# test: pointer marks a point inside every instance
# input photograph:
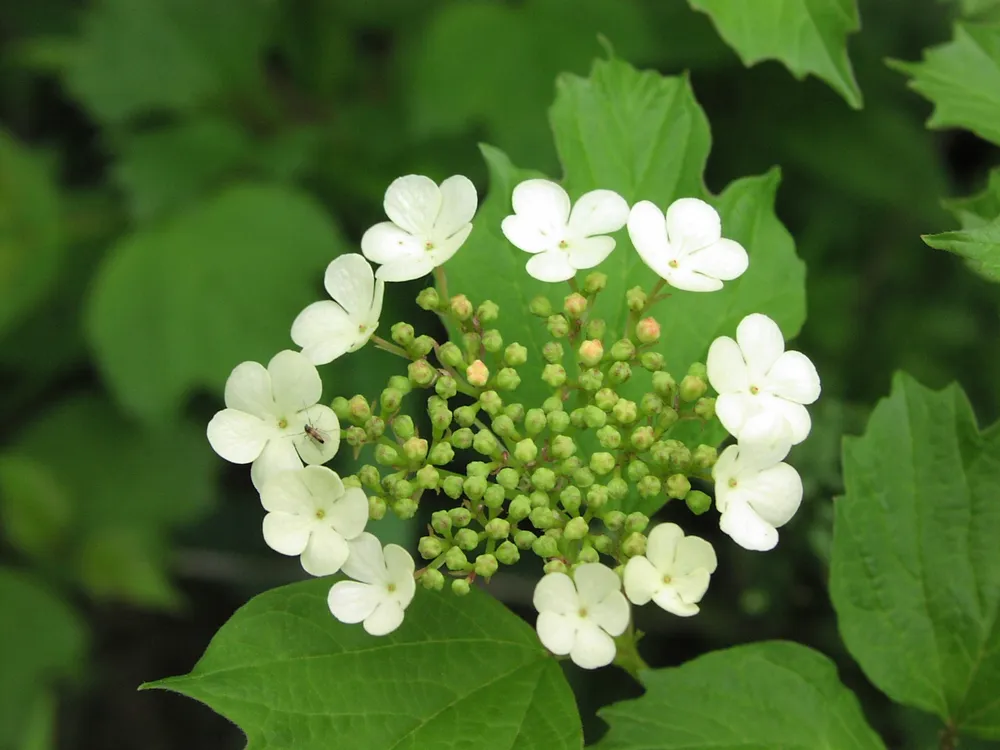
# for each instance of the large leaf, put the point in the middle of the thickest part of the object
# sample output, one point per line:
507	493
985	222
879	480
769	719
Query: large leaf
757	697
962	79
807	36
177	306
916	565
457	673
980	247
977	211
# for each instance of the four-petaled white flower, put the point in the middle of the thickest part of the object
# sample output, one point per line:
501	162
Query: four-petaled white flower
310	513
272	418
427	224
754	491
674	572
686	247
755	375
382	588
563	240
327	329
579	615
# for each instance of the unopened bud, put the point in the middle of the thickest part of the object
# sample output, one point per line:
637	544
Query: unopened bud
625	411
519	508
543	479
605	399
558	421
507	553
553	375
415	449
652	361
390	400
432	579
552	352
376	508
634	545
543	518
467	539
405	508
558	326
515	355
619	373
665	385
477	374
342	408
466	415
648	486
462	438
575	305
491	402
609	437
622	350
540	306
441	521
667	419
508	478
596	328
421	346
508	379
617	489
562	447
446	387
594	282
678	486
602	463
498	528
359	410
461	308
692	388
488	312
705	408
545	546
555	566
374	428
698	502
642	438
583	477
591	352
594	417
452	487
597	497
524	539
650	404
402	334
614	520
635	298
514	411
450	355
428	478
526	451
430	547
421	373
455	559
402	427
504	426
386	455
704	457
636	470
647	330
428	299
592	379
461	587
441	454
475	487
576	529
492	341
494	496
534	421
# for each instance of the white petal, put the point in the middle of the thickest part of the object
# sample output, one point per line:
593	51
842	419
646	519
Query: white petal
598	212
352	602
324	331
406	268
350	280
295	382
747	529
648	231
611	613
286	533
694	553
325	553
727	372
793	376
387	617
413	203
726	465
385	242
765	438
669	599
775	494
543	202
442	251
642	580
592	647
796	416
366	562
458	205
323	486
399	566
551	266
762	343
374	313
237	436
349	513
689	280
735	409
320	446
555	592
723	259
661	546
692	587
278	455
525	235
594	582
589	251
248	389
286	492
556	632
692	224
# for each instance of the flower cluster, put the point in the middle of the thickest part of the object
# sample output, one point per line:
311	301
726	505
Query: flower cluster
555	478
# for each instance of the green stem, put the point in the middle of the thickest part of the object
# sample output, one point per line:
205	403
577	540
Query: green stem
390	347
442	283
627	656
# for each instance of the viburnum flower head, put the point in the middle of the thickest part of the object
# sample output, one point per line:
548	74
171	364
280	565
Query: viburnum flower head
563	239
312	514
382	588
272	419
686	247
674	572
327	329
754	491
427	225
580	615
755	375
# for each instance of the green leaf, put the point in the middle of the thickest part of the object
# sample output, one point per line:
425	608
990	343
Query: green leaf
30	239
176	306
915	578
980	247
41	642
756	697
140	55
458	671
962	79
973	8
979	210
35	508
807	36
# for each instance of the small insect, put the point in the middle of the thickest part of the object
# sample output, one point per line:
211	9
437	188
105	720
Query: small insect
315	434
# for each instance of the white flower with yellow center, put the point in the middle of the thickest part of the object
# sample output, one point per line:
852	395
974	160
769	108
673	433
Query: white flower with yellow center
674	572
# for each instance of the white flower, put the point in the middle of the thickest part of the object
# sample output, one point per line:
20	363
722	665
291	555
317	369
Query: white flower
562	240
427	226
578	616
686	247
755	375
272	417
754	491
383	586
325	330
673	573
312	514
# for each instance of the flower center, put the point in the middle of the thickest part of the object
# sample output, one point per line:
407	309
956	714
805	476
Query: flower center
320	514
391	587
754	390
362	328
282	423
732	482
563	244
583	612
673	264
667	579
428	245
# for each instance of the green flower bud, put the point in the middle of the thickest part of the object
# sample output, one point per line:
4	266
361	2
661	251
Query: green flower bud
441	454
405	507
704	457
576	529
498	528
428	299
562	447
635	298
575	305
461	586
526	451
342	408
650	404
594	417
504	426
602	463
466	415
402	427
660	453
667	419
478	469
467	539
450	355
543	518
609	437
488	312
515	355
376	508
583	477
636	522
430	547
494	496
491	402
605	399
594	282
390	400
475	487
571	497
680	456
415	450
625	411
507	553
636	470
649	486
588	555
705	408
678	486
478	374
421	346
455	559
524	539
634	545
492	341
554	375
370	477
515	412
647	331
590	352
508	478
374	428
652	361
539	499
421	373
665	385
614	520
558	326
352	481
386	455
534	421
597	497
558	421
692	388
552	403
462	438
603	543
622	350
446	387
543	479
596	328
508	379
617	489
401	383
432	579
567	466
698	502
540	306
452	487
545	546
642	438
402	488
555	566
619	372
552	352
461	308
359	411
520	508
591	380
428	478
441	521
